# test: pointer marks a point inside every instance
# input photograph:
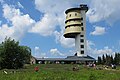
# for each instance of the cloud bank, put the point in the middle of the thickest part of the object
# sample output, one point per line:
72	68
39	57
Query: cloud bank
17	23
98	31
104	10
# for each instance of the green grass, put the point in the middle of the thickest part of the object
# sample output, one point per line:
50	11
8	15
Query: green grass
60	72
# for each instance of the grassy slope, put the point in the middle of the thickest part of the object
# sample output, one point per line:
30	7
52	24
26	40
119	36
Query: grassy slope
60	72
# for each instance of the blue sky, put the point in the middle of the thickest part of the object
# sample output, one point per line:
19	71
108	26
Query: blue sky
39	24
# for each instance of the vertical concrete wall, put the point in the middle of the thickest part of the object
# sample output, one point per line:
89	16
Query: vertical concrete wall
77	44
83	14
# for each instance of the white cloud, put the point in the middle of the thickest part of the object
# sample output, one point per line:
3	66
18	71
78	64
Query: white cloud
53	7
20	23
93	51
98	31
65	42
105	50
54	16
104	10
46	26
89	45
20	5
9	11
37	48
90	48
1	1
0	22
56	52
5	31
38	53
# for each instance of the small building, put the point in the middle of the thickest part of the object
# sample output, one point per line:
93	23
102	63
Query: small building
68	60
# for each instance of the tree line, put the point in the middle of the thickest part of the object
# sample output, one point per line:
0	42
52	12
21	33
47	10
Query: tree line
109	59
12	55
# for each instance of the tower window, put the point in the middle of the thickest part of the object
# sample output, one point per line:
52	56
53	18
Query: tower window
75	14
81	24
82	46
82	40
82	52
81	18
82	28
81	35
70	15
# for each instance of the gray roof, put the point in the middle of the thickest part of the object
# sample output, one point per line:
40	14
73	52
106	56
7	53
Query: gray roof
69	58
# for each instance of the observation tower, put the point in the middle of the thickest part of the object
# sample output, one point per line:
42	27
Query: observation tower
75	27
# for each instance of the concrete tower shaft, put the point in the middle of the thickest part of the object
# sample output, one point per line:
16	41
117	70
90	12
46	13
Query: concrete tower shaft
75	27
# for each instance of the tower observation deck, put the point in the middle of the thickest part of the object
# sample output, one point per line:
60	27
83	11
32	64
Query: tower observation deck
75	27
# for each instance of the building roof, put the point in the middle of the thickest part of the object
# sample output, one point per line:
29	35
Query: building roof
69	58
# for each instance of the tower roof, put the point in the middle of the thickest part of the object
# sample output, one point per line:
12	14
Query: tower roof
82	7
71	9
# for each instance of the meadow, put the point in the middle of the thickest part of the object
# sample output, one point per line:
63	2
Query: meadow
59	72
